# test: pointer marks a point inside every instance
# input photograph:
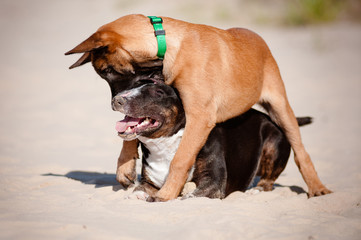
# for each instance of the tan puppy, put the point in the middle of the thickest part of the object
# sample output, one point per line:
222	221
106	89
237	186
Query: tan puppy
219	74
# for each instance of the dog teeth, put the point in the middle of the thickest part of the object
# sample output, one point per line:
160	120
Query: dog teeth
146	121
129	130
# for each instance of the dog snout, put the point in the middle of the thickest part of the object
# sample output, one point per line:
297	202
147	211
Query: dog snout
118	102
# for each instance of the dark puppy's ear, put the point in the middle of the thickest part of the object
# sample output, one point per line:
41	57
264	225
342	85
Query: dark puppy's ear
95	41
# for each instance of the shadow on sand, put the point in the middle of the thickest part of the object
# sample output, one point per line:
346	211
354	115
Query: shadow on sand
293	188
108	180
93	178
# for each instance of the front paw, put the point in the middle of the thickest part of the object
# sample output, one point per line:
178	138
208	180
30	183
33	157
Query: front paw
155	199
158	198
125	180
315	192
126	175
138	195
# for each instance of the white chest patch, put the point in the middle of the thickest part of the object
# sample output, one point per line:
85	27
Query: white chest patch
161	153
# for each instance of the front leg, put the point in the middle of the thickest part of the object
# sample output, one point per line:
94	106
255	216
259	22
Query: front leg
126	173
199	124
210	173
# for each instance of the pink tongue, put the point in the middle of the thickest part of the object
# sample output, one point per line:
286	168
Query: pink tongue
122	125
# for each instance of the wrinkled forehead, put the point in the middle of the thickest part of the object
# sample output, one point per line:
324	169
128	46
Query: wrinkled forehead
148	89
134	92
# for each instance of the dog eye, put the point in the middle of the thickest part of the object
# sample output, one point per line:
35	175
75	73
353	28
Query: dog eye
145	81
107	70
110	74
159	93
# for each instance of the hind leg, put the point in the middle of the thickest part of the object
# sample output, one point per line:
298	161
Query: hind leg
275	101
265	172
265	168
274	158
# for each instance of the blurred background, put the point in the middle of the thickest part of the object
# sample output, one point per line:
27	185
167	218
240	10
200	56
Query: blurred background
57	120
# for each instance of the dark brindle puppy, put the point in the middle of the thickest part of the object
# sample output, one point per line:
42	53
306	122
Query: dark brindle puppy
235	152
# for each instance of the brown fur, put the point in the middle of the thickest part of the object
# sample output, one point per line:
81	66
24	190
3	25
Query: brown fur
169	123
268	172
218	73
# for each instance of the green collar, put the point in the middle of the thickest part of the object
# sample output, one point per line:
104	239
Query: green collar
160	35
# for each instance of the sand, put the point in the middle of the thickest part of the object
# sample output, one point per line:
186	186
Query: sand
58	145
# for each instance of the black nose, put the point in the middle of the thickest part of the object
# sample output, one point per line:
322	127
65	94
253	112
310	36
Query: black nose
118	102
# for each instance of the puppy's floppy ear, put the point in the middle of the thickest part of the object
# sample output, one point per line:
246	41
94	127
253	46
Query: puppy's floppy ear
84	59
95	41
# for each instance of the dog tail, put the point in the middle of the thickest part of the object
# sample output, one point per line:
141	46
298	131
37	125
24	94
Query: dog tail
304	120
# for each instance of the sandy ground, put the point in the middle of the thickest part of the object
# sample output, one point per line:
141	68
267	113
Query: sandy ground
58	146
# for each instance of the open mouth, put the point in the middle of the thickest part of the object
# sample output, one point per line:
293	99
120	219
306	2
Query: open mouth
129	127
